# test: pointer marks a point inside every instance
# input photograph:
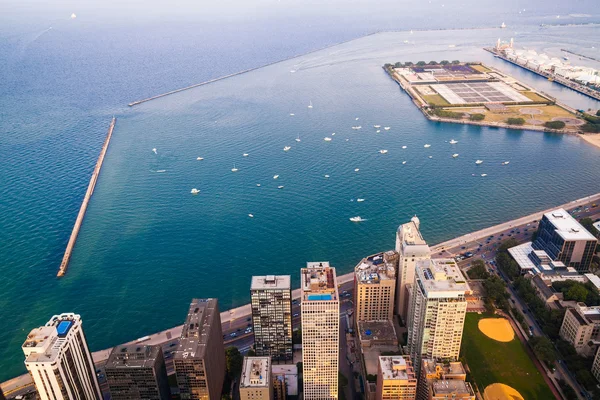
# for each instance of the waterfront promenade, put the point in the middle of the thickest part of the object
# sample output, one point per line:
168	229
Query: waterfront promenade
243	312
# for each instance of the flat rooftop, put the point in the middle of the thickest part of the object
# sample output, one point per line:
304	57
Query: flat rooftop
597	225
521	255
376	268
397	368
452	386
195	333
454	369
44	344
441	277
256	372
410	240
133	356
377	331
318	282
271	282
567	226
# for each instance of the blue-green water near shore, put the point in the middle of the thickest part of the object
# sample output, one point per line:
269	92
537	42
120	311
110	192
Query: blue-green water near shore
148	246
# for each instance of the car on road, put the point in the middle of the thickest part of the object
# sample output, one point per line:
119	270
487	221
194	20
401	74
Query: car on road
468	254
249	319
296	314
233	334
248	330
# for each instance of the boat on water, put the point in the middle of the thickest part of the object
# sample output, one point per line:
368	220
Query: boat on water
258	184
430	156
275	176
234	169
194	191
376	126
403	162
377	131
199	158
326	176
453	141
427	146
292	114
455	155
327	139
356	119
356	127
251	215
360	200
404	147
356	169
280	187
310	105
503	25
161	170
479	162
452	46
383	151
333	134
356	219
387	128
483	174
287	148
245	154
506	163
298	138
154	150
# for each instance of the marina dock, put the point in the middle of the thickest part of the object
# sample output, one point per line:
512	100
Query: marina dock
88	194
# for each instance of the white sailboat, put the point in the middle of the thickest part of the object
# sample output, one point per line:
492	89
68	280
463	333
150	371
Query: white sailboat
298	138
234	169
154	150
310	105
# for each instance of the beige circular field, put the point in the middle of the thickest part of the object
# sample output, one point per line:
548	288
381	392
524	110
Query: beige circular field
500	391
496	328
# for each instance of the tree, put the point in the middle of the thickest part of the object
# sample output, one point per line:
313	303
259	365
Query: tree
433	63
598	113
507	244
251	353
567	390
577	292
408	64
478	270
233	362
588	224
421	63
477	117
515	121
543	349
554	124
444	62
343	381
398	65
455	62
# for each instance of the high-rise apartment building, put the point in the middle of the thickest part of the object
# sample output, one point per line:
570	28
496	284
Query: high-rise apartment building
437	312
581	328
255	382
444	381
411	248
565	240
375	286
271	302
396	379
200	357
59	360
320	307
596	365
137	372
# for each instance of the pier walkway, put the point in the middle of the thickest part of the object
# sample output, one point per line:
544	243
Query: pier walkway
86	199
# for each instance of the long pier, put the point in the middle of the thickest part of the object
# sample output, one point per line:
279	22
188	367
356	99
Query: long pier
594	94
88	194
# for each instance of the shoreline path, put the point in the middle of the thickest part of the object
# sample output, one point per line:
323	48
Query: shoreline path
245	311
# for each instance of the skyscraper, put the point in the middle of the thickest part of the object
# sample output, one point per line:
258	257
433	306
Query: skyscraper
271	301
320	307
437	311
59	361
255	381
375	286
396	379
200	357
411	248
137	372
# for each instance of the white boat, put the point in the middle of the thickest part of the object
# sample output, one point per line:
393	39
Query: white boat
251	215
310	105
377	131
383	151
376	126
479	162
292	71
275	176
404	147
356	169
403	162
287	148
360	200
454	155
453	141
483	174
326	176
356	127
298	138
245	154
234	169
292	114
154	150
503	25
430	156
356	119
194	191
258	184
333	134
387	128
199	158
427	146
452	46
280	187
356	219
327	139
161	170
505	162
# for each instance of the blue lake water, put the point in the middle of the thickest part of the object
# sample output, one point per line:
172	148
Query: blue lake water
148	246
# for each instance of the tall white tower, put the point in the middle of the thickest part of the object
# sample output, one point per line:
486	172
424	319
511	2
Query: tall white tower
411	248
59	361
320	307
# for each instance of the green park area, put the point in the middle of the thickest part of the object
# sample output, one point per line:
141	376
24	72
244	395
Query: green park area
491	361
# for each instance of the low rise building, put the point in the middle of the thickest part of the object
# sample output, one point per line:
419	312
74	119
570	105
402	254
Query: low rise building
581	328
396	379
288	374
255	381
377	333
375	287
443	381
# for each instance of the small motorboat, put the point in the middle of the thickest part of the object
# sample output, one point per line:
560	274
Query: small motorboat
483	174
280	187
453	141
195	191
326	176
275	176
404	147
403	162
478	162
356	127
356	169
376	126
377	131
360	200
199	158
287	148
251	215
455	155
387	128
383	151
245	154
327	139
427	146
154	150
356	219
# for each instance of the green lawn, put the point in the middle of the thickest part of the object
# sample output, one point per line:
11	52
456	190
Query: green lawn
491	361
435	100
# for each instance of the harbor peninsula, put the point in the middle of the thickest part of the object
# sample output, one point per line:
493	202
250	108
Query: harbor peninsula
477	94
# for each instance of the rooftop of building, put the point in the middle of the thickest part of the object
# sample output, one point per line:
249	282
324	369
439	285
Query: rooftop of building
133	356
256	372
271	282
378	332
451	386
597	225
376	268
318	282
195	333
397	368
520	254
594	279
541	285
43	344
448	370
410	238
441	275
567	226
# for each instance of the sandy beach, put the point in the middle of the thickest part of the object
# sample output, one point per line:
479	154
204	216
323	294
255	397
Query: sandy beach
592	138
